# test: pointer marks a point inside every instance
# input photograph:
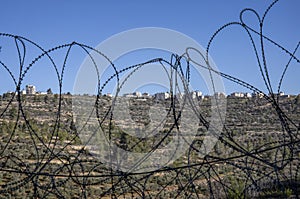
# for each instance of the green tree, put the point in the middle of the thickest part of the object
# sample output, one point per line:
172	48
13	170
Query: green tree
13	113
49	91
46	99
123	141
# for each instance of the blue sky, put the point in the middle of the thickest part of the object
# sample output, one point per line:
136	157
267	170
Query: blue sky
52	23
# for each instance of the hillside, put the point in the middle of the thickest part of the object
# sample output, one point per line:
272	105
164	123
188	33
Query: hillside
43	152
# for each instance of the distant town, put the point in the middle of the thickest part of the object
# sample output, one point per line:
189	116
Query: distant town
31	90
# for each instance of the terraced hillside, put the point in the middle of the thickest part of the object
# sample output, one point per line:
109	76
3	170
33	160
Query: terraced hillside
44	151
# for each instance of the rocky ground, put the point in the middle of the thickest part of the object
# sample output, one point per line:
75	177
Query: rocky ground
43	150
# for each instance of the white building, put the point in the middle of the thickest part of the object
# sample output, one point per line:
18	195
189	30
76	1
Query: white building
193	95
41	93
23	92
30	90
257	95
137	94
281	95
219	95
248	95
285	96
237	94
240	95
196	94
162	96
128	95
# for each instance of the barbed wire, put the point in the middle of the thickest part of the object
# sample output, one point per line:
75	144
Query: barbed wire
257	153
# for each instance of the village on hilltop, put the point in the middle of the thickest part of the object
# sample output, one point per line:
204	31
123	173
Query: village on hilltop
31	90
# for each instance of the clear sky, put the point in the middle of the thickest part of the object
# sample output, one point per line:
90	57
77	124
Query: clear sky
56	22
